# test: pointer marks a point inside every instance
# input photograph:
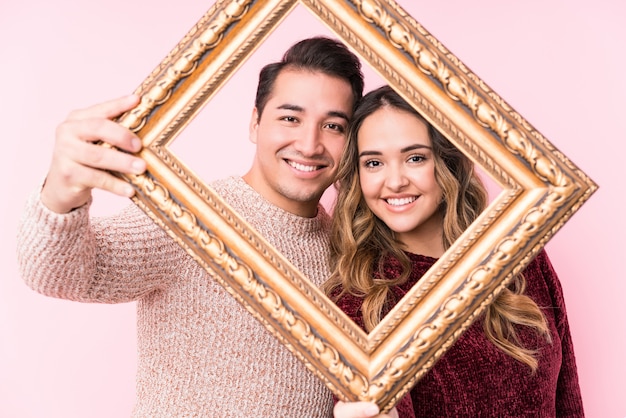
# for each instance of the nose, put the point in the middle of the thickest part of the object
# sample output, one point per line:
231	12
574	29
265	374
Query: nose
396	178
309	141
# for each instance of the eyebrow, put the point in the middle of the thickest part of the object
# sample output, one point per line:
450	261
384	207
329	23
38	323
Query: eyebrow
296	108
403	150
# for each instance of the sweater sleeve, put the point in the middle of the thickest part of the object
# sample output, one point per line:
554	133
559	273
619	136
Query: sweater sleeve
108	260
568	396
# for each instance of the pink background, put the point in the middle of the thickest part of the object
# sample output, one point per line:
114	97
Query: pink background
559	63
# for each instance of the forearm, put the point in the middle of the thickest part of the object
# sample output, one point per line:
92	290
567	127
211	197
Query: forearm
53	257
107	260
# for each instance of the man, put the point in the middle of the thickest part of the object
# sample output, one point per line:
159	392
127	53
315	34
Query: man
200	352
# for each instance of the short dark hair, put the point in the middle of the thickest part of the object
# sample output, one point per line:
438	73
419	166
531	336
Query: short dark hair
319	53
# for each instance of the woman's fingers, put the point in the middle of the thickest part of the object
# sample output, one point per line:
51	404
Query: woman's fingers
360	410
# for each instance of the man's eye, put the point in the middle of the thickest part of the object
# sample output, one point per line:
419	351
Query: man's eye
336	127
289	119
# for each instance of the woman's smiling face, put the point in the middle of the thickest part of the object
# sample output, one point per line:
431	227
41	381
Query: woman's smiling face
397	175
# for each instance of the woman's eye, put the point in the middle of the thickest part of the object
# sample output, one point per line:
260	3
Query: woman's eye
416	158
372	163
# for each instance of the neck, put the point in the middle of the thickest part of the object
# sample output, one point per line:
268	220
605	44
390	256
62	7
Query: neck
304	208
426	240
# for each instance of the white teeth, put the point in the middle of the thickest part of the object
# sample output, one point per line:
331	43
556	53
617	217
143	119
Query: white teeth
302	167
402	201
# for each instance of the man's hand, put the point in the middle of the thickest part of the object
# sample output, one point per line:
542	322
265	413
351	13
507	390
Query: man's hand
79	164
361	410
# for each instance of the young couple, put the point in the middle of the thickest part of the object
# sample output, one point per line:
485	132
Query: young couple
404	192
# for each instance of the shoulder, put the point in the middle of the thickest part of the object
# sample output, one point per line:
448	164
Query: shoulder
540	272
544	287
230	188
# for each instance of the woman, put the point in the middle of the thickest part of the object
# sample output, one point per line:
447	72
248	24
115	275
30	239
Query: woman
405	195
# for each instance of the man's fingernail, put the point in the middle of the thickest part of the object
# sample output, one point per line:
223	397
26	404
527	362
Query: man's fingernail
129	190
139	166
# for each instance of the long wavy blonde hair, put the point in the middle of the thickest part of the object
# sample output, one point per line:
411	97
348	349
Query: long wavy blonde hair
360	242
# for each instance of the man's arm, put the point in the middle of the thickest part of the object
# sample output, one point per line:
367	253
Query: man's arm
64	253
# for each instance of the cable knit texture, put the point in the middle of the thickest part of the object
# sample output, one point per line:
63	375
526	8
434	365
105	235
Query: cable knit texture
201	354
475	379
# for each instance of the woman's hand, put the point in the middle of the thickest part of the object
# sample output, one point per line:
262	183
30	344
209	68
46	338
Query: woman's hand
361	410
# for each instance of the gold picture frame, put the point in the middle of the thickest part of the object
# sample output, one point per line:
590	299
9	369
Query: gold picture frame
541	189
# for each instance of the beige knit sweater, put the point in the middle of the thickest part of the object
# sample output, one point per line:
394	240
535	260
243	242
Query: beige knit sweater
201	353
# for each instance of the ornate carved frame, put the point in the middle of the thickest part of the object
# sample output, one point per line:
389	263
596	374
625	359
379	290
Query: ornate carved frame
541	189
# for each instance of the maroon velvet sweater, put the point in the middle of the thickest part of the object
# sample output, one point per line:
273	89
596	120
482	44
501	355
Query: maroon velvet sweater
475	379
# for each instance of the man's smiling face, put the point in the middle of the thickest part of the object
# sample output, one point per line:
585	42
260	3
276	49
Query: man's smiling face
300	138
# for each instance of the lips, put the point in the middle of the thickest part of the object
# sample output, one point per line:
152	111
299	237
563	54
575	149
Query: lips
303	167
400	201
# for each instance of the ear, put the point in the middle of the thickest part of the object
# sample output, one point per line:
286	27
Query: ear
254	126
